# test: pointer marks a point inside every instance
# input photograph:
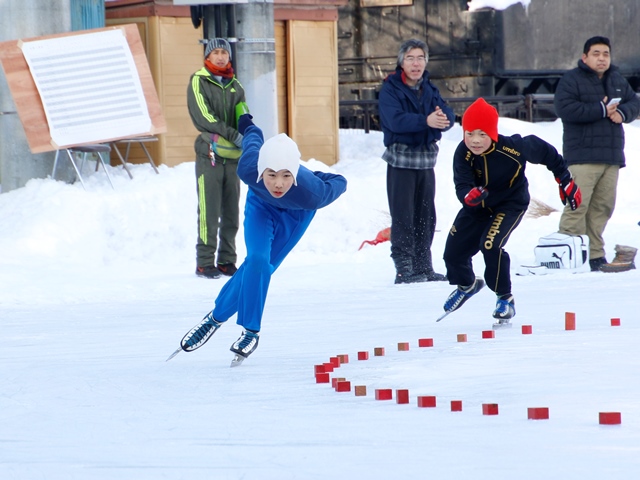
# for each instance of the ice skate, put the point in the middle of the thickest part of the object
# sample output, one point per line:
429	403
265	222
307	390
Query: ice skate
505	311
198	335
459	296
244	346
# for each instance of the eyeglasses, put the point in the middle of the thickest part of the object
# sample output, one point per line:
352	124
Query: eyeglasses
412	59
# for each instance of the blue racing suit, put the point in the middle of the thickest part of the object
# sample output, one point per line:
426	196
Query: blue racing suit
272	227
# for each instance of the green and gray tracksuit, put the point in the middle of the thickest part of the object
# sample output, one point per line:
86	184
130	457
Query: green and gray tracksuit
214	104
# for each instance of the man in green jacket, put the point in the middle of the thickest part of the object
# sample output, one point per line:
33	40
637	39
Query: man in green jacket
216	99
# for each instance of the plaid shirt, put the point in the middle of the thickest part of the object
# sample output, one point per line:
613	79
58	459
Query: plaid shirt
399	155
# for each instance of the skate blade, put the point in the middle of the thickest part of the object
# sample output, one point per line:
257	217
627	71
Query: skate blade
237	361
442	316
174	354
497	325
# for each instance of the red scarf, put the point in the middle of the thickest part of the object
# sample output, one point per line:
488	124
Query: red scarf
226	72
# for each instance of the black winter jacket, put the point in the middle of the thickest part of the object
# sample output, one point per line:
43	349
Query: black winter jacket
589	136
404	116
501	170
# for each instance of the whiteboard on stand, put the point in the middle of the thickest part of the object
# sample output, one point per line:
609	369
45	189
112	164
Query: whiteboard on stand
79	88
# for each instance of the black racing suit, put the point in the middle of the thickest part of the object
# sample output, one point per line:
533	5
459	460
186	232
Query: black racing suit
487	227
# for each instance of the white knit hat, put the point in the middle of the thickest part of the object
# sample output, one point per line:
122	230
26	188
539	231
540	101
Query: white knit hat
279	153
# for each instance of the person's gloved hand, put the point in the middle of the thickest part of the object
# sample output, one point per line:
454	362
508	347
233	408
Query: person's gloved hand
244	122
476	196
569	191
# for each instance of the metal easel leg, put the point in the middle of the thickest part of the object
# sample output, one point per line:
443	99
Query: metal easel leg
105	169
149	157
122	160
75	167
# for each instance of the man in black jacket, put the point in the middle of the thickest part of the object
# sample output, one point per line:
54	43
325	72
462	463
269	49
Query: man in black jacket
413	117
593	100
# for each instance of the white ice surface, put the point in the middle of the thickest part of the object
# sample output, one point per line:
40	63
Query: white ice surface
98	289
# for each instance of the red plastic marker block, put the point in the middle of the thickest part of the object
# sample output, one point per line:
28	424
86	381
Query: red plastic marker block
610	418
335	380
490	409
462	337
403	346
344	386
384	394
488	334
378	351
427	401
541	413
328	367
615	322
456	405
527	329
318	369
335	361
344	358
322	378
363	355
569	321
425	342
361	390
402	396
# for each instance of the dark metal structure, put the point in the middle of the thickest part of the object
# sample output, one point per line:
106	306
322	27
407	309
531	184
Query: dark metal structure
515	52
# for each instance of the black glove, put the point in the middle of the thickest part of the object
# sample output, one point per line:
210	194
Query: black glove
569	191
244	122
476	196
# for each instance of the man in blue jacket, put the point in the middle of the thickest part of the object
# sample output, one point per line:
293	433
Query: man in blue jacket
282	200
413	117
593	101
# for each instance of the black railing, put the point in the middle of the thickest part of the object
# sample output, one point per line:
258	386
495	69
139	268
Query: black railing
363	114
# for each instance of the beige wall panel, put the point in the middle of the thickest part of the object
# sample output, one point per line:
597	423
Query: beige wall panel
183	141
182	153
181	55
323	95
314	81
281	75
319	115
175	100
183	132
313	94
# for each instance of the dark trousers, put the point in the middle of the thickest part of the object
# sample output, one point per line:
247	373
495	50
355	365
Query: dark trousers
486	232
411	196
218	211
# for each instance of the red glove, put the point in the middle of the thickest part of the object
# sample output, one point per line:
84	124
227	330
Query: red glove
476	196
569	192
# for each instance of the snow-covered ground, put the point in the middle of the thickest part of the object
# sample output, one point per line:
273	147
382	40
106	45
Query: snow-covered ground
98	289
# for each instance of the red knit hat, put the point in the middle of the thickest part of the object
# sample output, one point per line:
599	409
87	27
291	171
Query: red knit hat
481	115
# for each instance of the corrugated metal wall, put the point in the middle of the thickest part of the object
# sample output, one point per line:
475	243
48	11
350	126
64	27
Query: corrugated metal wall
86	14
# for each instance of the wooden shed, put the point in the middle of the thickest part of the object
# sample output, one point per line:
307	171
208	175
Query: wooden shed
306	64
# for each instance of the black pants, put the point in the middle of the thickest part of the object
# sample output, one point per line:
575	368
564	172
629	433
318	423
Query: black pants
411	196
481	231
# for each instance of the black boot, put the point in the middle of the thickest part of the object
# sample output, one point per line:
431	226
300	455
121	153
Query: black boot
404	271
424	268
